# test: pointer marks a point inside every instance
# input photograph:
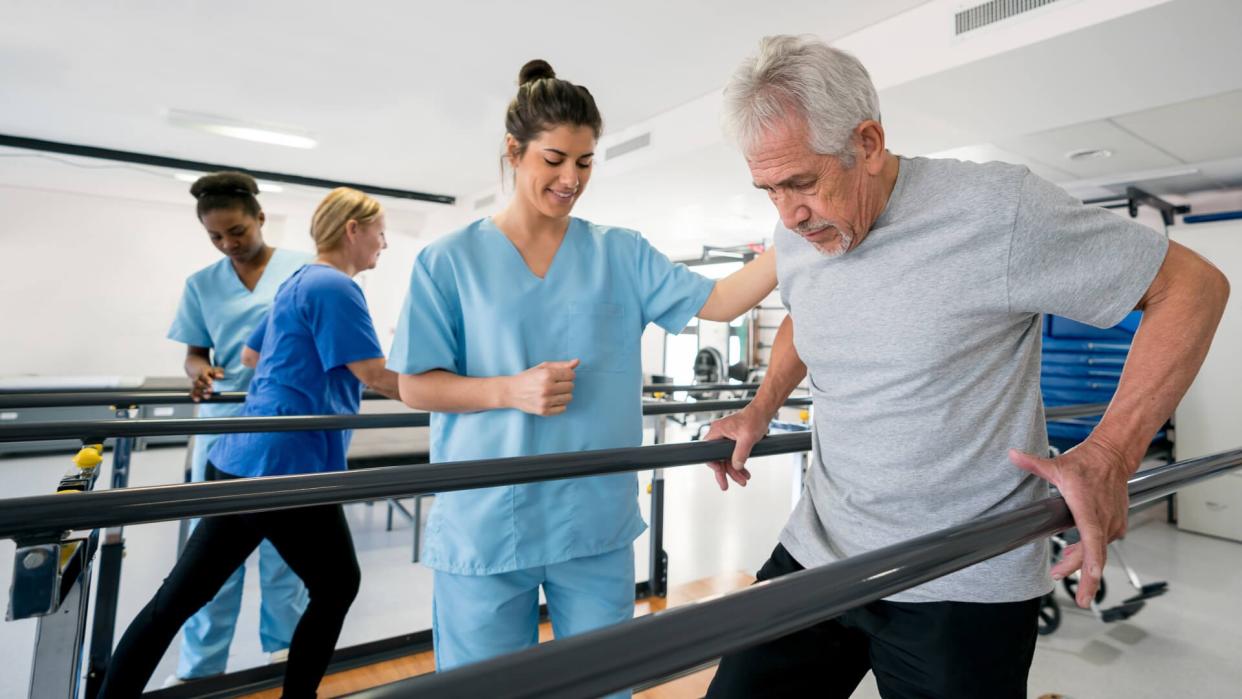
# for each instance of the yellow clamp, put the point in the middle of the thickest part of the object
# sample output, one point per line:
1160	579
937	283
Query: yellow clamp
804	415
89	456
658	395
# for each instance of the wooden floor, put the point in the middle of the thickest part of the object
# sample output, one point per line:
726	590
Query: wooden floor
691	686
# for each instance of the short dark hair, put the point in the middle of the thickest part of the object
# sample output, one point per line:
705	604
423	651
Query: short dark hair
545	101
226	190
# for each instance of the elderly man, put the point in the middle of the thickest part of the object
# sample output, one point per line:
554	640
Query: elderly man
915	289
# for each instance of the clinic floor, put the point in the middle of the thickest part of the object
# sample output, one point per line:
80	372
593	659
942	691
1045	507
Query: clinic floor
1185	644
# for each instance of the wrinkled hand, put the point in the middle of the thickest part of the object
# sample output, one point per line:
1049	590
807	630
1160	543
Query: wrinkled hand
202	387
744	427
1092	478
544	389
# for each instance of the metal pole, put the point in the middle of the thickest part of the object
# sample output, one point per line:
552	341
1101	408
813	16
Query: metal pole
107	593
657	569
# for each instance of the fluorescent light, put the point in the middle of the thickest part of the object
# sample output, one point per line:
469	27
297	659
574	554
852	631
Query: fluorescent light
250	133
1089	154
264	186
273	134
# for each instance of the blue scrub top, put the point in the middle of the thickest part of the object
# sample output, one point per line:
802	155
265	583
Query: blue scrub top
318	324
476	309
218	312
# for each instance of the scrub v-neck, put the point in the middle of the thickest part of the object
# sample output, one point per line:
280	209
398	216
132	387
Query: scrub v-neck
258	281
518	253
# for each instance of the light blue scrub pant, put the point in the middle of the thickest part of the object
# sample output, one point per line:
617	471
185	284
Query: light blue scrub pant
205	638
476	617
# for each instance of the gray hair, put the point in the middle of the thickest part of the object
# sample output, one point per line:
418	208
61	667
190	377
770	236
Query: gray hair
827	87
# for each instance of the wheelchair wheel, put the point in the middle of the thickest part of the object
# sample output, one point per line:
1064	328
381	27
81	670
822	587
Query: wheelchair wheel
1049	614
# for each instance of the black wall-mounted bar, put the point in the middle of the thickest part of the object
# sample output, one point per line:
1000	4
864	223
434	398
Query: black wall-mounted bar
124	156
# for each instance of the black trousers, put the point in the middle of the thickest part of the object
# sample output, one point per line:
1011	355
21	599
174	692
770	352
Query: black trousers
314	541
926	650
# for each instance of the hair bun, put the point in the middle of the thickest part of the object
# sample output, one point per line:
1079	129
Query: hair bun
535	70
224	183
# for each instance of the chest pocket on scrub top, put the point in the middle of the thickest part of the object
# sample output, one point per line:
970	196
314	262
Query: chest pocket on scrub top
598	337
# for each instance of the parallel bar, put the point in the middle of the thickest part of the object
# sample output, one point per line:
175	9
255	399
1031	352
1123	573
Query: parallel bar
72	399
1062	412
698	387
48	515
625	655
124	156
708	406
98	430
125	399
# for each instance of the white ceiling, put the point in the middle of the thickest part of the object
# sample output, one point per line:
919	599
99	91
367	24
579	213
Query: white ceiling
403	94
410	96
1160	88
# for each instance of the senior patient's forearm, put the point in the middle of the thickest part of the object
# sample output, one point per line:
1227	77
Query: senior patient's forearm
785	372
1165	357
445	392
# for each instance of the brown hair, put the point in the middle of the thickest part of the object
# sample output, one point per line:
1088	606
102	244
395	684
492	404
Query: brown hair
226	190
544	101
341	206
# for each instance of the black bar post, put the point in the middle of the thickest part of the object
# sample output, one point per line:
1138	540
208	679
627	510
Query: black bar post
108	590
657	569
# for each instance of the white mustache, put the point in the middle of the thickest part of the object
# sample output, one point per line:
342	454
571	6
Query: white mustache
813	226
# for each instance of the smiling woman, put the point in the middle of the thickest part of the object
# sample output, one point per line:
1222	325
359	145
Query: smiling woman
526	327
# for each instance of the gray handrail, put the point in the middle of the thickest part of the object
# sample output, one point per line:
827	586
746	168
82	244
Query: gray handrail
18	400
98	430
46	516
654	646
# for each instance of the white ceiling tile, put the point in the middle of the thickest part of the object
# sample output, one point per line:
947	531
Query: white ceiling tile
987	152
1195	130
1128	152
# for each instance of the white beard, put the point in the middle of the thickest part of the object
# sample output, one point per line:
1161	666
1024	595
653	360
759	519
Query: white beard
841	246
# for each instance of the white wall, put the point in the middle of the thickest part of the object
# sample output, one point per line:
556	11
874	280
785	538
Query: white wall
89	282
1209	418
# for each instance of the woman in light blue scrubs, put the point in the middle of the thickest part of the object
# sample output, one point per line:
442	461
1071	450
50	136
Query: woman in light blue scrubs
221	305
522	334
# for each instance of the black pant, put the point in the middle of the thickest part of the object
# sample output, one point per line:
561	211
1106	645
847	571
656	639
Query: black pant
916	650
314	541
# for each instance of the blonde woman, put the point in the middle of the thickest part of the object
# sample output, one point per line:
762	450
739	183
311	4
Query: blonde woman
317	348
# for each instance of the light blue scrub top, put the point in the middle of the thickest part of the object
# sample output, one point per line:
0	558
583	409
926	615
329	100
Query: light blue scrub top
217	311
476	309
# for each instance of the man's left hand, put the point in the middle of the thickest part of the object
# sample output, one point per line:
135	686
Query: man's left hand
1092	477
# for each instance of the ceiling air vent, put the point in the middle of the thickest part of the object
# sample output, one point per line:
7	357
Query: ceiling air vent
629	146
485	201
983	14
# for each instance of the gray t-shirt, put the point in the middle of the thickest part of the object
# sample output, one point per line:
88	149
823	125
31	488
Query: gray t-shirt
923	350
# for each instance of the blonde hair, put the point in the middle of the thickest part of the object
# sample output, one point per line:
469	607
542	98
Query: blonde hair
341	206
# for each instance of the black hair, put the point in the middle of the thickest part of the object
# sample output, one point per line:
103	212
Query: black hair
226	190
545	101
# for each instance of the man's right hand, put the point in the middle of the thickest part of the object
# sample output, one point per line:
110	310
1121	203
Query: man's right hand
746	427
544	389
203	381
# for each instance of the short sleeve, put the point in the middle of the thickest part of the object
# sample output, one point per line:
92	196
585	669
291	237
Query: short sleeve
670	294
255	341
189	326
428	330
1082	262
340	323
